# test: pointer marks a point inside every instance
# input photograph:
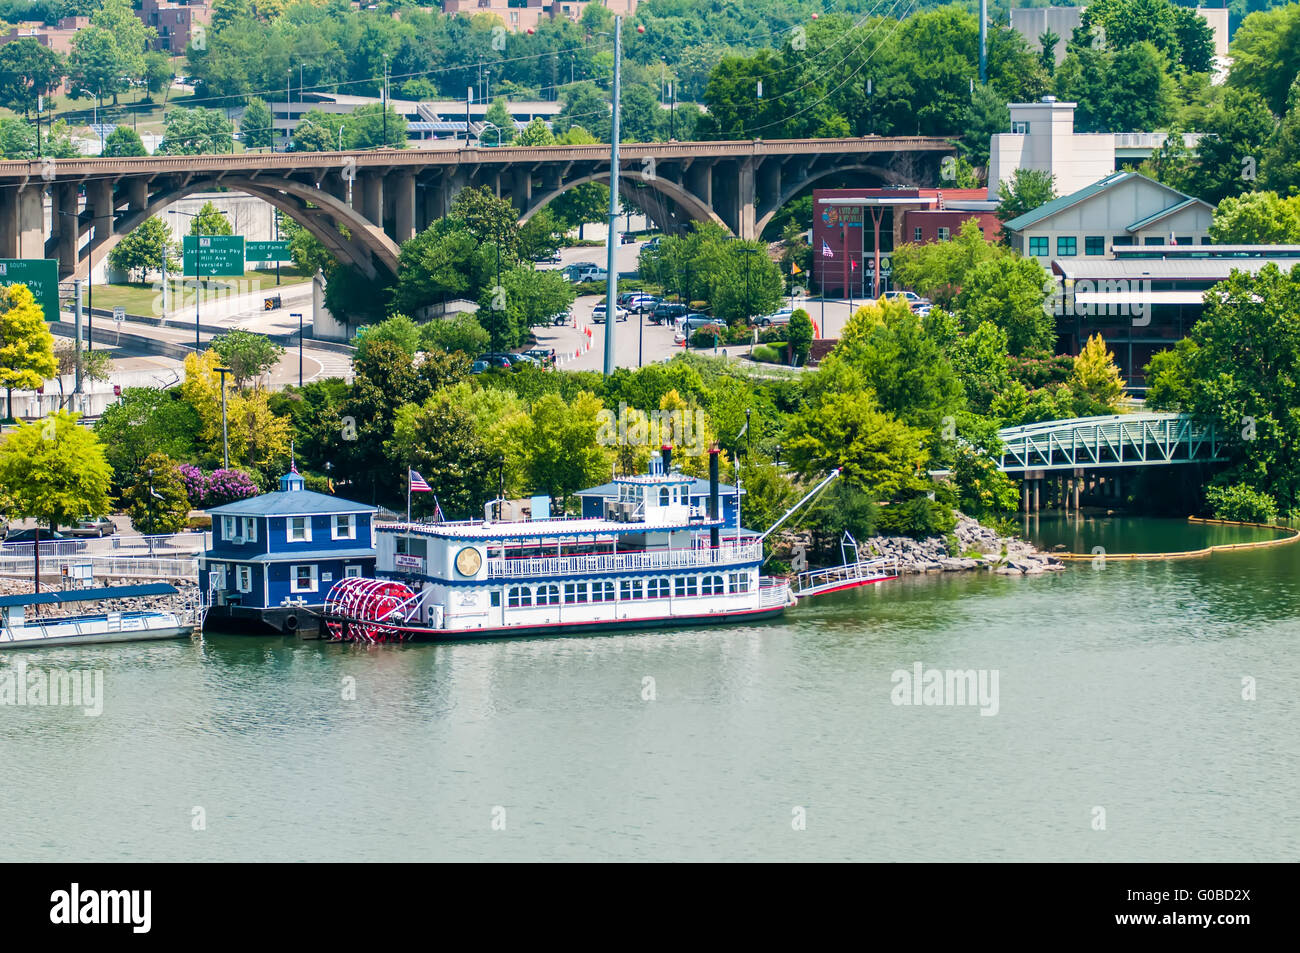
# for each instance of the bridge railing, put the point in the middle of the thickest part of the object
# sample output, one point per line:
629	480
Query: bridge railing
1141	439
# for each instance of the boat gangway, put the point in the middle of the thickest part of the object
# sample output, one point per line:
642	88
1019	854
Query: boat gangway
816	582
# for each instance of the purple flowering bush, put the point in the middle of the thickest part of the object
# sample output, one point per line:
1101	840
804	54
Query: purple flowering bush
217	488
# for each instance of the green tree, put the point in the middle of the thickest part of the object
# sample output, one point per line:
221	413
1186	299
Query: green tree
196	131
210	221
535	133
143	421
1010	293
489	218
540	236
525	297
372	126
460	333
247	354
1281	164
144	249
1026	190
26	344
438	438
799	336
28	71
559	448
1095	380
1229	152
1257	218
1048	43
1265	54
54	471
95	63
398	329
158	73
498	114
17	139
255	126
433	266
123	142
157	502
131	40
939	269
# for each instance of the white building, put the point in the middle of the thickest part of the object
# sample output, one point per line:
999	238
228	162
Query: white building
1042	137
1122	209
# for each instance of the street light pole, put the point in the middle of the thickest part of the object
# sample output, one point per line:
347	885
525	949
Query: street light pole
298	315
611	240
225	441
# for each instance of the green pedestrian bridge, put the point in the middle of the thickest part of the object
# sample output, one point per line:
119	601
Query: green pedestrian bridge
1150	438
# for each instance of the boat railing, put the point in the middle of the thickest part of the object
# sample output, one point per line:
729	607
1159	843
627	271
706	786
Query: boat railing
863	570
525	567
774	592
117	567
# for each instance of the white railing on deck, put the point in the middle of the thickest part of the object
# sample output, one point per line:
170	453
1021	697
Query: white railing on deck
540	566
776	593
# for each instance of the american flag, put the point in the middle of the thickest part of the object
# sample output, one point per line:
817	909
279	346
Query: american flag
826	250
417	482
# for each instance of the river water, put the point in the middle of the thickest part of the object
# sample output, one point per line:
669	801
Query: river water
1120	731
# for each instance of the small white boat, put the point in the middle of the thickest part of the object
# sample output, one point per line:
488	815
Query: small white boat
22	627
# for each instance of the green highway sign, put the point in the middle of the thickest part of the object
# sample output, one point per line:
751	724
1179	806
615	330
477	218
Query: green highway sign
207	256
267	251
40	275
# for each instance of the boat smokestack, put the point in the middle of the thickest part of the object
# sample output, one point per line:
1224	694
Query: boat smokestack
666	453
713	494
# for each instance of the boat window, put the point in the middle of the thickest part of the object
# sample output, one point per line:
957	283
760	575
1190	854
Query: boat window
495	598
664	496
575	592
602	592
656	588
686	586
518	596
548	595
712	586
739	582
631	589
303	578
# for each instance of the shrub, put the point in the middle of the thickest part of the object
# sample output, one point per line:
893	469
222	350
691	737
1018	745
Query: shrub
196	484
710	335
738	334
226	486
919	517
769	354
1241	504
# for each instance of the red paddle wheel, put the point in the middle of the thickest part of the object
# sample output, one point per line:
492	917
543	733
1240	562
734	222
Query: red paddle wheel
367	610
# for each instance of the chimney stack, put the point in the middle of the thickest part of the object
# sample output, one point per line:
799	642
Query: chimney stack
713	494
667	453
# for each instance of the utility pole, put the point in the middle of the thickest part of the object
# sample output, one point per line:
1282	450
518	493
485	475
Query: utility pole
611	240
984	51
299	317
76	335
385	99
225	440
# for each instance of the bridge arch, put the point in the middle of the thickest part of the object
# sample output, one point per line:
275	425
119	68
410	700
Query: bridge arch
694	207
787	194
316	210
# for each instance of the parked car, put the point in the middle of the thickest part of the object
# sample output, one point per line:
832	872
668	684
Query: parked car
552	259
667	313
688	325
626	297
585	271
627	239
93	526
911	297
561	318
519	360
478	367
497	359
29	535
545	355
641	303
654	243
775	318
598	314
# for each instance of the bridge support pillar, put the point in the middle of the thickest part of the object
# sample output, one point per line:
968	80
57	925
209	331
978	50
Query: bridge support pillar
99	198
137	194
745	200
403	187
372	198
65	225
1037	486
699	181
1024	492
22	221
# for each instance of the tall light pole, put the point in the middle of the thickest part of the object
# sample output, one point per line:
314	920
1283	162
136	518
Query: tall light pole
299	317
225	440
611	240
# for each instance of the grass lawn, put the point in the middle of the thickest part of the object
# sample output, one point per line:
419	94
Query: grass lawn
140	298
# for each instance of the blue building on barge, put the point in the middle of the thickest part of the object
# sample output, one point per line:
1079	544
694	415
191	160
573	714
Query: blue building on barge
275	556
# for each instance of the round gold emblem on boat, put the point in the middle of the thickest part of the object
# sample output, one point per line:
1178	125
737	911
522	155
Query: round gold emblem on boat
468	561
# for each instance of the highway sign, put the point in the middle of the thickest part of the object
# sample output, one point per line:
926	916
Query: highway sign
211	255
40	275
267	251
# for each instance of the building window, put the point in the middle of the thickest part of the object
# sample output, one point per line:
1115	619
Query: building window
302	578
943	233
548	595
712	586
686	586
1020	128
917	234
1121	241
1094	245
656	588
630	589
1067	246
738	581
575	592
1184	240
351	572
244	576
602	592
228	530
217	576
250	529
1038	246
518	596
345	527
299	529
1153	241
